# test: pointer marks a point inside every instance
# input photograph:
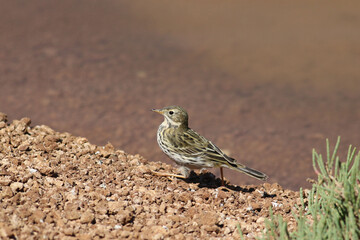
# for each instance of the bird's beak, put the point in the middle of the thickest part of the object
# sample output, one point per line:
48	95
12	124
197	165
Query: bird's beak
158	111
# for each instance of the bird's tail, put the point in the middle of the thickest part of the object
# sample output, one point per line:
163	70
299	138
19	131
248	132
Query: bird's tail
252	172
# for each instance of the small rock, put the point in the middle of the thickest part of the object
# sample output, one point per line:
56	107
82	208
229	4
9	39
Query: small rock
114	207
37	216
125	217
227	231
267	204
5	231
162	208
26	121
223	194
158	232
69	231
276	205
102	207
16	186
206	218
24	146
125	234
6	192
260	220
3	117
5	181
72	211
212	228
83	236
250	208
87	217
256	206
100	232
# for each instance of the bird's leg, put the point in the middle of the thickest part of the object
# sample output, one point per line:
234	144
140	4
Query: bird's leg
222	176
223	186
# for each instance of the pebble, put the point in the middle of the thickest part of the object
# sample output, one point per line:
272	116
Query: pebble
16	186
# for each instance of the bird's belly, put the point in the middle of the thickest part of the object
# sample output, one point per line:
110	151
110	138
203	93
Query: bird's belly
193	162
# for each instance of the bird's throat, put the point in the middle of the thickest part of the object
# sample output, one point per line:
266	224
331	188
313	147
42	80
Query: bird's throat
168	123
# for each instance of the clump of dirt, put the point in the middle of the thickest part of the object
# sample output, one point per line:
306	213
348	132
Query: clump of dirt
58	186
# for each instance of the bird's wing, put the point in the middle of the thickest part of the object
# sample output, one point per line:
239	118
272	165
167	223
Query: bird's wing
194	143
190	142
215	154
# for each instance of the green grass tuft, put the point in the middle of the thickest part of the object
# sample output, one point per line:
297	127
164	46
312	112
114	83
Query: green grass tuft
331	209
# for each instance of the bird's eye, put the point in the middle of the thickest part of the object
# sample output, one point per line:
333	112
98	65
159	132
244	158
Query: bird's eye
171	112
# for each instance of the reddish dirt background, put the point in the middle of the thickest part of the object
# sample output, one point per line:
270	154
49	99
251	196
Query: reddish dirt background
265	81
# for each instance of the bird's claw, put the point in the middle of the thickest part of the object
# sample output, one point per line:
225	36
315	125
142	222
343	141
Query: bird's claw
170	176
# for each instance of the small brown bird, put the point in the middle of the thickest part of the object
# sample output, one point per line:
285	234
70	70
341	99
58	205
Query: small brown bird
190	150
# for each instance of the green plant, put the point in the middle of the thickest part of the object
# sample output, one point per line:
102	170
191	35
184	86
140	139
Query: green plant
331	209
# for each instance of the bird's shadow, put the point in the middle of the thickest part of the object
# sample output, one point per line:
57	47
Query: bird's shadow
209	180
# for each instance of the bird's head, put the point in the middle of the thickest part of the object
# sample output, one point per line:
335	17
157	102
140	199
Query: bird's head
174	116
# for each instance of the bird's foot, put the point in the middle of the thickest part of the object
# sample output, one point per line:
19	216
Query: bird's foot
170	176
224	188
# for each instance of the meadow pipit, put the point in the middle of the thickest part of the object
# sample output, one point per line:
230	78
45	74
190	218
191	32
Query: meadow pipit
190	150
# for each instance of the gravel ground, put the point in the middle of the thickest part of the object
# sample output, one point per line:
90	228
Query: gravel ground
59	186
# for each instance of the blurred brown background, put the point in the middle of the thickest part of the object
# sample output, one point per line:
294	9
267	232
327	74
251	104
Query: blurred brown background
267	81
